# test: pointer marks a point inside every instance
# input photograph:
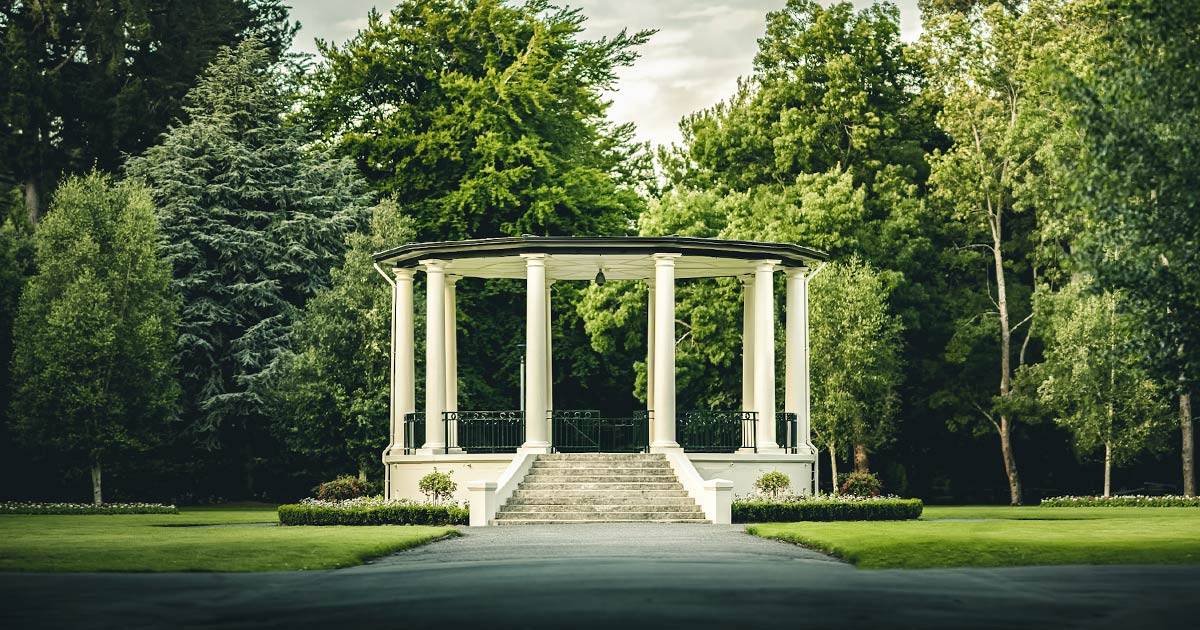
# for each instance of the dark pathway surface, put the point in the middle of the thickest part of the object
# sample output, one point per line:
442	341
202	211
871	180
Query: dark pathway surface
611	576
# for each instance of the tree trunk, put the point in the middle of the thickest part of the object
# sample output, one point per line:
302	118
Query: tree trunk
861	463
1108	469
1005	426
97	494
1010	462
1189	444
833	466
32	201
362	473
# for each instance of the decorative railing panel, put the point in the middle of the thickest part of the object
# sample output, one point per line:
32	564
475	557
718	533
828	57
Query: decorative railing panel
785	431
484	431
414	431
585	430
716	431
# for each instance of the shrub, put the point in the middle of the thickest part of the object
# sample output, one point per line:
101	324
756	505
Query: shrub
341	488
372	511
861	484
1125	501
825	508
87	508
438	487
773	484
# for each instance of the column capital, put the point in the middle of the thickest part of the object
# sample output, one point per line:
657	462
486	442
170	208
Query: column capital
534	260
451	279
793	272
403	273
665	259
434	265
747	279
766	265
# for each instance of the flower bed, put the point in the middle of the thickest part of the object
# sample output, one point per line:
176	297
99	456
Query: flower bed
372	511
824	508
1123	501
86	508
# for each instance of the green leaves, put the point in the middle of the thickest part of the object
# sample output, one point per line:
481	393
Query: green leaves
95	334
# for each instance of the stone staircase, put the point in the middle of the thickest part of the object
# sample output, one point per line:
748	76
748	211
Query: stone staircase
600	487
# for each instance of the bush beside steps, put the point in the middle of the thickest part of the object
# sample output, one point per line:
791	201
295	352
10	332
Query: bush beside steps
372	511
825	508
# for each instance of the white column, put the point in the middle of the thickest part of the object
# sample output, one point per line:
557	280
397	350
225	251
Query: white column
650	354
549	349
764	354
795	369
535	354
664	353
748	357
404	399
451	344
435	355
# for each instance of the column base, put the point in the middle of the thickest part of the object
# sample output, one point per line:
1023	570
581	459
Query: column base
535	448
665	447
771	450
431	449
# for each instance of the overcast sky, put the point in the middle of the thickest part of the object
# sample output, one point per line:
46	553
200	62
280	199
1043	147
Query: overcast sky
694	61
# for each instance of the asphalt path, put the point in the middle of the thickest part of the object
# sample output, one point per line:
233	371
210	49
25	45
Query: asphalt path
610	576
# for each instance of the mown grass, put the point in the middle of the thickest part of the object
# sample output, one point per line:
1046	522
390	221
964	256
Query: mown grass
221	538
1005	536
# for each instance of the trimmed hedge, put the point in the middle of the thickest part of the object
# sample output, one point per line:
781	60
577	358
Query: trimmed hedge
87	508
1127	501
380	514
825	509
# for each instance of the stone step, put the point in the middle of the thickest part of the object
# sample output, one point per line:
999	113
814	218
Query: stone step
600	516
557	478
599	465
603	457
600	508
603	499
611	496
601	485
551	521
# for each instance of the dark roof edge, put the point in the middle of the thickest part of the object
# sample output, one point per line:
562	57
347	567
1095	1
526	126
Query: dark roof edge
409	254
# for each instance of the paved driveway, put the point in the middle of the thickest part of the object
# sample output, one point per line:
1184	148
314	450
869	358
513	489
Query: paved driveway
611	576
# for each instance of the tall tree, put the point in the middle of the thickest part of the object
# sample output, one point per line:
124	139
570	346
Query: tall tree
483	118
332	394
856	360
1133	95
486	118
87	83
988	184
256	216
1093	381
95	334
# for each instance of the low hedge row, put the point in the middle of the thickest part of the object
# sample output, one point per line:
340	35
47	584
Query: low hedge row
86	508
1126	501
385	514
881	509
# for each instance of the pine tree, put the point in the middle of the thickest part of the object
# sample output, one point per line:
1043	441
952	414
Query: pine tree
256	216
96	327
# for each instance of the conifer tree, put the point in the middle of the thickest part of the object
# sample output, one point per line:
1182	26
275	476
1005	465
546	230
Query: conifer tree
256	216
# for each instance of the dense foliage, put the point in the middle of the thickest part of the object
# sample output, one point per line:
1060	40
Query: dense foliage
94	362
88	83
372	512
341	488
255	219
825	508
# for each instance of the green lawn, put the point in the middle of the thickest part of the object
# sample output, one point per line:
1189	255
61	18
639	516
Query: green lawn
197	539
1006	536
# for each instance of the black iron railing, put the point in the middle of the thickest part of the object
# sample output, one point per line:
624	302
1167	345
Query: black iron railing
785	431
716	431
414	431
585	430
484	431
